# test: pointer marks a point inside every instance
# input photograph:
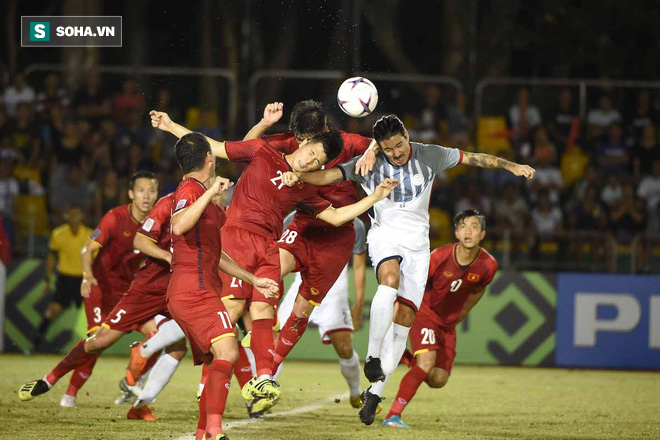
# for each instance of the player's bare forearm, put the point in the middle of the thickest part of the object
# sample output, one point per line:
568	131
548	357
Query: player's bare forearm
217	147
359	277
257	131
321	178
149	248
471	301
230	267
51	261
485	160
184	220
339	216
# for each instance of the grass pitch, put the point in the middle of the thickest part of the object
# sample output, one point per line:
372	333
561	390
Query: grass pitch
478	403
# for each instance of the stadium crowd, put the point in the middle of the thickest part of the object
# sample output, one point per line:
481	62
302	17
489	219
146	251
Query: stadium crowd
597	181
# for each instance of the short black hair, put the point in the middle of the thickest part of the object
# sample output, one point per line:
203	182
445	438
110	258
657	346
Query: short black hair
461	216
191	151
388	126
140	175
307	117
332	143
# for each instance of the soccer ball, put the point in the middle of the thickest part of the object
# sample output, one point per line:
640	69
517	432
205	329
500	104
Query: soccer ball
357	97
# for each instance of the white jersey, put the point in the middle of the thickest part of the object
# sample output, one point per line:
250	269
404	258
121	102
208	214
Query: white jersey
403	217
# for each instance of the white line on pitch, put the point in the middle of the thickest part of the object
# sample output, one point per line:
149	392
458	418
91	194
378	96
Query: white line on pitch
294	411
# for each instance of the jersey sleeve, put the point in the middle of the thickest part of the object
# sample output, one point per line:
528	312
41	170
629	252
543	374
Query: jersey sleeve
55	242
434	263
357	144
440	158
106	229
184	197
243	151
314	203
151	227
348	170
360	245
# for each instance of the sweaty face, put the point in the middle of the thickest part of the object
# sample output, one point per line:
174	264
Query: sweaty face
144	193
397	149
469	232
309	157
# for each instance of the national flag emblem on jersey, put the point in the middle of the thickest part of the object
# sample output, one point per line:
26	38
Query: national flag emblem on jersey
473	277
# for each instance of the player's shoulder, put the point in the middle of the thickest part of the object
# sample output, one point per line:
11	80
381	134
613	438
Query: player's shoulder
443	252
118	212
166	200
353	137
278	137
488	260
189	184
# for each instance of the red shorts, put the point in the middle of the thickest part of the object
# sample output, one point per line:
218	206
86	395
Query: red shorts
255	253
427	335
320	253
99	305
203	318
134	309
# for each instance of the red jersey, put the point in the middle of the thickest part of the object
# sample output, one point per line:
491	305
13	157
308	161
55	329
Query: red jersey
117	261
449	285
196	254
261	200
154	276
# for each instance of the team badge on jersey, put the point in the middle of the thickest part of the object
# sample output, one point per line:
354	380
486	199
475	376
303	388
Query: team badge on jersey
448	274
127	233
473	277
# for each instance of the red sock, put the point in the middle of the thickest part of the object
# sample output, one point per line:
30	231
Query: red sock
242	367
291	333
409	385
205	374
262	345
79	376
216	391
200	433
75	358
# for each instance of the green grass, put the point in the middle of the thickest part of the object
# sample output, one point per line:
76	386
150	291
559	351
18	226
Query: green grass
478	403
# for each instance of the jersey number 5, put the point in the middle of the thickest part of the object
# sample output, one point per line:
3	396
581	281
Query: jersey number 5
455	285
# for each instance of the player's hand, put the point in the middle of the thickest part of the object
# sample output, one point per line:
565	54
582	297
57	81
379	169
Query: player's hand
273	113
385	188
366	163
169	259
267	287
356	314
86	285
160	120
289	178
220	185
524	170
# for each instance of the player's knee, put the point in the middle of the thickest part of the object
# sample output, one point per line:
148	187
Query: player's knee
404	315
302	308
177	350
344	350
390	279
437	378
425	364
95	345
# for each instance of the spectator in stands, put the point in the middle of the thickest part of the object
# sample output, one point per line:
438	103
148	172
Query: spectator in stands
209	124
91	102
601	118
612	192
591	214
643	116
546	219
474	199
547	178
562	119
17	93
24	136
108	194
9	189
496	180
72	187
99	156
523	117
511	211
4	123
645	152
133	131
51	96
627	216
590	179
649	192
429	128
67	147
458	123
128	99
613	154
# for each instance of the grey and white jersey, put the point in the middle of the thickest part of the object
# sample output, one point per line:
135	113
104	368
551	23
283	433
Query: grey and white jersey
360	244
403	217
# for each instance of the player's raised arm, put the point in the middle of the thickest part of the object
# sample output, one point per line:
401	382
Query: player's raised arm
185	219
339	216
272	113
484	160
150	248
265	286
317	178
162	121
87	256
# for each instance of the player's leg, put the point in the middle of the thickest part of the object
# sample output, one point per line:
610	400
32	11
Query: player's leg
67	292
380	317
349	362
225	354
104	338
162	372
52	312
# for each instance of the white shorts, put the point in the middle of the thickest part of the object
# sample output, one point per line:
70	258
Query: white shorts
334	313
414	265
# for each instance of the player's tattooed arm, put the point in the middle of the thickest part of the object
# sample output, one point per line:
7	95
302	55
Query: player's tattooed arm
162	121
272	113
484	160
265	286
87	258
471	301
148	247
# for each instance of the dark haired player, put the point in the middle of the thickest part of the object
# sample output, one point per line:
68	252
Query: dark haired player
193	293
254	224
399	237
458	276
109	264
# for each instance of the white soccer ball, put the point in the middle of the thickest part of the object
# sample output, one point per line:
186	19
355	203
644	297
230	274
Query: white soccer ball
357	97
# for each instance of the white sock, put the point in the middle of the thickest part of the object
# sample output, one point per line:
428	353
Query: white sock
380	318
168	334
391	356
160	375
350	369
378	387
278	372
